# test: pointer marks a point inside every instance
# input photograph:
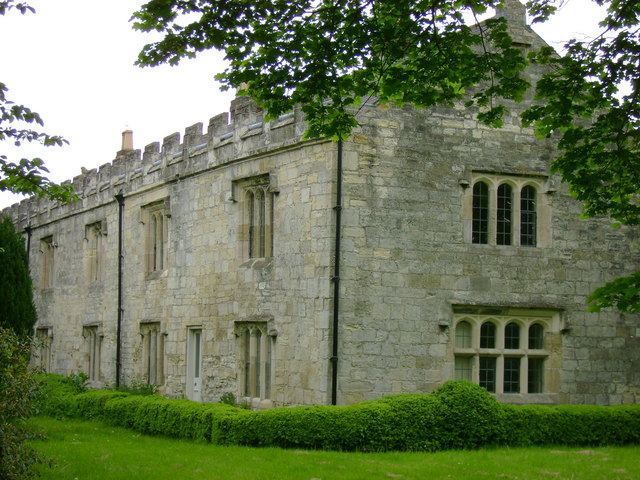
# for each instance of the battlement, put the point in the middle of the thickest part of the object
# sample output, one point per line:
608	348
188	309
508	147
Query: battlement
230	136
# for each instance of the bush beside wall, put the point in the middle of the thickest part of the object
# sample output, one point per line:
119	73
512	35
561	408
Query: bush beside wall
571	425
459	415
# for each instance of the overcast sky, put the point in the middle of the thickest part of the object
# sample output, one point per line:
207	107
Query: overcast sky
72	62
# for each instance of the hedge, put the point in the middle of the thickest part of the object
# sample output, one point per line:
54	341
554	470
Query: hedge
458	415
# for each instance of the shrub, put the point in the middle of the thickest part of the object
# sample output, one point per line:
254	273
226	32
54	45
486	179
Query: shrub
157	415
91	404
416	423
19	394
59	395
457	415
139	388
469	416
573	425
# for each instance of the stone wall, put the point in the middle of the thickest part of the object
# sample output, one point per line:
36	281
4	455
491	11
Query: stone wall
208	281
409	268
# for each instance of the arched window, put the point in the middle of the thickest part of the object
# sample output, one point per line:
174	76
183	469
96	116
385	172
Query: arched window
251	213
258	217
528	218
262	222
504	214
480	227
505	210
512	336
157	241
257	348
463	334
511	355
536	337
488	335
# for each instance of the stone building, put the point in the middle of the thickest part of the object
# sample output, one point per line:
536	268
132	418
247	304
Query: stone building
245	259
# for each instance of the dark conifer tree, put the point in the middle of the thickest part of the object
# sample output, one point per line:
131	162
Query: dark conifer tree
17	311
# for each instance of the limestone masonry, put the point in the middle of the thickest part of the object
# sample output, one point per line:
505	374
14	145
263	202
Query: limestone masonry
460	256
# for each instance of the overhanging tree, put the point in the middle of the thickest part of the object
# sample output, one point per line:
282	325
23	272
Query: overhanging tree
17	122
327	55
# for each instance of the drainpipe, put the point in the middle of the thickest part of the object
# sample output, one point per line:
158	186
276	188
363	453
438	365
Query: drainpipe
120	199
336	279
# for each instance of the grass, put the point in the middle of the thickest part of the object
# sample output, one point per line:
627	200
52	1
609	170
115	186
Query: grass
86	450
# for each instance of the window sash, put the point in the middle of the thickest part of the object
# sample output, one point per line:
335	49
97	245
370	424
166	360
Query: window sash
504	214
480	223
511	381
487	373
528	217
504	353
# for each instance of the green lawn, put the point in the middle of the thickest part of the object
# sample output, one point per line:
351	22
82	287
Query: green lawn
90	450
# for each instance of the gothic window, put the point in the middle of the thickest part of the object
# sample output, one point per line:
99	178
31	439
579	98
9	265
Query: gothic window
256	233
511	375
528	216
44	339
152	353
93	236
463	366
488	335
463	335
512	336
256	347
506	354
535	371
93	350
505	210
155	220
487	373
480	232
536	339
504	214
47	249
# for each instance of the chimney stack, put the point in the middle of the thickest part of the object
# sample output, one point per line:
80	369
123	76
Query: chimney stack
127	140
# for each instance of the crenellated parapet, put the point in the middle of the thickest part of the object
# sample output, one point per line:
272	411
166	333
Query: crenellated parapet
229	137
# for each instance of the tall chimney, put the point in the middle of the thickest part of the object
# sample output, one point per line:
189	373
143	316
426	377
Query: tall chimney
127	140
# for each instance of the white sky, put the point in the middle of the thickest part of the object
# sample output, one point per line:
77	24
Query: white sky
73	63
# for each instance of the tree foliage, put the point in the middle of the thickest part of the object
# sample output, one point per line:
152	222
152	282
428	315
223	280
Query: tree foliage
327	55
19	395
17	124
17	311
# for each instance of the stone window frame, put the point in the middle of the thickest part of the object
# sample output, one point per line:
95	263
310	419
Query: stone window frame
153	342
94	245
155	218
256	198
47	272
495	212
256	342
526	371
43	342
93	338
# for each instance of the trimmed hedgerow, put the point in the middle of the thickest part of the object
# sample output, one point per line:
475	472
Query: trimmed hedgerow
458	415
364	427
156	415
571	425
59	395
91	404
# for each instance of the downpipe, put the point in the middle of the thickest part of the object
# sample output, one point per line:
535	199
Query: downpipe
336	279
